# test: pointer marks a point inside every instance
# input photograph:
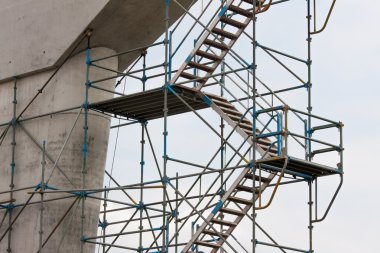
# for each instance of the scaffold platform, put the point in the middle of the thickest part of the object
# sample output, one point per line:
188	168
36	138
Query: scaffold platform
147	105
298	167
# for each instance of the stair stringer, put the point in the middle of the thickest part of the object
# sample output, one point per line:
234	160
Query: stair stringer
233	124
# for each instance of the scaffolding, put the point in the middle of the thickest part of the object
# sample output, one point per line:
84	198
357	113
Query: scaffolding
253	141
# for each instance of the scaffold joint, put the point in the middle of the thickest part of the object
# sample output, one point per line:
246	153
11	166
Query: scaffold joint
165	180
81	194
174	214
140	205
10	206
103	224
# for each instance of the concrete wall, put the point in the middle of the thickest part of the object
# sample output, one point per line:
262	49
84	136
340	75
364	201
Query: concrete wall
35	38
66	90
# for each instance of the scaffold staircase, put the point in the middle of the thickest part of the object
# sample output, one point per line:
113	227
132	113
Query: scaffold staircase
233	205
215	38
228	203
240	124
221	35
212	47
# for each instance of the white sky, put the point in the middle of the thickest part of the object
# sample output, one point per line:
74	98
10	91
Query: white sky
346	88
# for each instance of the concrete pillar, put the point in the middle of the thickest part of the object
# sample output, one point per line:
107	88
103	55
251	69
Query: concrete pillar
65	90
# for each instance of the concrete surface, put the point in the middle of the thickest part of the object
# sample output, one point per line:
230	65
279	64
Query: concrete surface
37	35
66	90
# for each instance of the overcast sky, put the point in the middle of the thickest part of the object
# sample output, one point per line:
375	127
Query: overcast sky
345	88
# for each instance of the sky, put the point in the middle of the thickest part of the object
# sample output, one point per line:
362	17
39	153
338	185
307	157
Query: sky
345	88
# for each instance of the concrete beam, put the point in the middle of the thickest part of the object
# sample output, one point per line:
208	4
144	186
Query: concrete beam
38	35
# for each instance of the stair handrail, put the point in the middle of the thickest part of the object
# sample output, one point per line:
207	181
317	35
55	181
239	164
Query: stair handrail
326	20
266	6
331	202
276	186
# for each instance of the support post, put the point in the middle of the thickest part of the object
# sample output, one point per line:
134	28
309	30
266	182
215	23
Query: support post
176	213
142	163
13	164
164	220
309	84
310	227
104	225
85	134
253	168
42	189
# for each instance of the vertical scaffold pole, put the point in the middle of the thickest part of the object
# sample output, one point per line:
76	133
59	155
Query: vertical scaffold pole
170	54
141	204
42	189
104	225
142	159
253	162
222	81
164	220
222	147
310	227
144	77
176	213
309	84
85	134
309	109
13	165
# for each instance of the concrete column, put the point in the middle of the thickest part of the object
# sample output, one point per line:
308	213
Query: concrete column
65	90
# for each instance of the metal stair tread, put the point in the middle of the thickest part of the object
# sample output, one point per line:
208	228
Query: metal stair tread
231	211
246	188
191	77
230	110
213	233
214	97
200	66
244	124
232	22
239	120
224	33
208	55
207	244
216	44
223	222
257	178
240	200
240	11
249	132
